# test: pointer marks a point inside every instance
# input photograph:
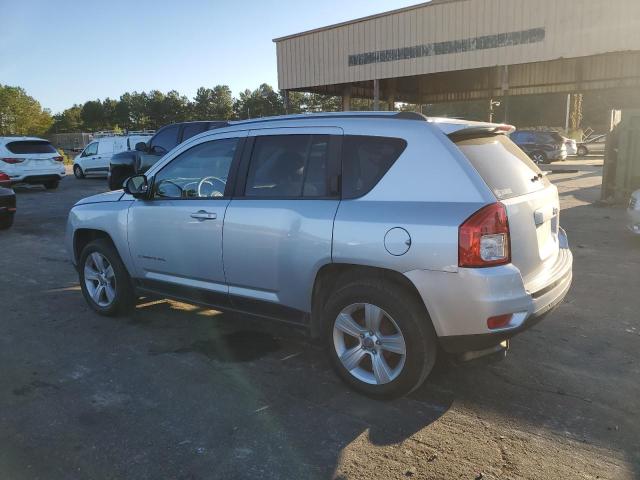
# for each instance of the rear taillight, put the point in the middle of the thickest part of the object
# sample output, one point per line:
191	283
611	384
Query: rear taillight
13	160
4	179
483	239
58	159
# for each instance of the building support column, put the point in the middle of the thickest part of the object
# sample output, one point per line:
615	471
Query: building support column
287	101
346	98
505	93
376	94
391	94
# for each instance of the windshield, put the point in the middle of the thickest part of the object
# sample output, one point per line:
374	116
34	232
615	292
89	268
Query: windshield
30	146
505	168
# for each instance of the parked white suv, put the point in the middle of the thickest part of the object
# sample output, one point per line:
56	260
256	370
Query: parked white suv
385	234
31	160
94	159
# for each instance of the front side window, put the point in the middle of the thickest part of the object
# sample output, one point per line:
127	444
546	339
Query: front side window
200	172
92	149
289	166
365	160
165	140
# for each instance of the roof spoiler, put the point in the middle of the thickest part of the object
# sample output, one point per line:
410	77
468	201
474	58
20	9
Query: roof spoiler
481	131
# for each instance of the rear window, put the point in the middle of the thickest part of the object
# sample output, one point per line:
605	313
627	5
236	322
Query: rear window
365	160
30	146
506	169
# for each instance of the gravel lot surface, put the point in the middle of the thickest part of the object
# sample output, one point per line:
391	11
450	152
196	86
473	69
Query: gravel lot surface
177	391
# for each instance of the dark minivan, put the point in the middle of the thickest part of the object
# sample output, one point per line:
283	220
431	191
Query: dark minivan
128	163
542	147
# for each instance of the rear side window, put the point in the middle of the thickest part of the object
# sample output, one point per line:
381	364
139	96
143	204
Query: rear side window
365	160
30	146
289	166
506	169
165	139
192	129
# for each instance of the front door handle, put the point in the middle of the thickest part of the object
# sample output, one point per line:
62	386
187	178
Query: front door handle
202	215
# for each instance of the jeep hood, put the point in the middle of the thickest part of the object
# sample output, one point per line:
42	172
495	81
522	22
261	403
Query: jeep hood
113	196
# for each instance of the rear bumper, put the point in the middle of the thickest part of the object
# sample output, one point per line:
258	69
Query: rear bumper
633	221
38	177
557	154
460	303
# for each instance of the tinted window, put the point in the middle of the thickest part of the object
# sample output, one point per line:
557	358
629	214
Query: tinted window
200	172
165	139
192	129
92	149
288	166
365	160
506	169
30	146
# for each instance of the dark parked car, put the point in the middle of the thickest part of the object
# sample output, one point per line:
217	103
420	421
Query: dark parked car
542	147
7	202
125	164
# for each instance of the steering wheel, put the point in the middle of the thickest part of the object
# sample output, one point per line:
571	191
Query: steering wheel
180	189
217	192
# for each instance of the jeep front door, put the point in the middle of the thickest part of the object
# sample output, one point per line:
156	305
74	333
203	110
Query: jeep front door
175	236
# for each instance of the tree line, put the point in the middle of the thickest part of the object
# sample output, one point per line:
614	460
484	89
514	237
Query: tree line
20	114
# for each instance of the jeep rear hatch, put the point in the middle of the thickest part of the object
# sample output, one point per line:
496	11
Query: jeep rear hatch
530	199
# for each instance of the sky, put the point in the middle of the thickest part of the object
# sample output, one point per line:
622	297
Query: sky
64	52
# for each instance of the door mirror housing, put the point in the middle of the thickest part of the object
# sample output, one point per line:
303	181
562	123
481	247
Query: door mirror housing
138	186
141	146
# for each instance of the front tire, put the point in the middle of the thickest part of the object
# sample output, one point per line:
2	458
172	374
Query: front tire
104	279
77	171
380	339
583	151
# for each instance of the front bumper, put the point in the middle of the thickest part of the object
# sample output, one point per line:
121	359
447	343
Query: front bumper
460	303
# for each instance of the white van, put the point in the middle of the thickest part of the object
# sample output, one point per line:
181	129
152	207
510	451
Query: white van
94	159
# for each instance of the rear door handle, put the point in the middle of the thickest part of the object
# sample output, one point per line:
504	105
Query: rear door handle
202	215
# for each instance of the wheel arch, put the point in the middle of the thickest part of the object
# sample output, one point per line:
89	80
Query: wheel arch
333	275
83	236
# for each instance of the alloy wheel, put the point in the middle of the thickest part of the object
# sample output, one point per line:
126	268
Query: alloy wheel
100	279
369	343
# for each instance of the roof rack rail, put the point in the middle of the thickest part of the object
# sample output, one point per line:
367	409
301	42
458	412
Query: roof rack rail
350	114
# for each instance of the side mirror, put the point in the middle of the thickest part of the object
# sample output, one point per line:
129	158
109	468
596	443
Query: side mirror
141	146
138	186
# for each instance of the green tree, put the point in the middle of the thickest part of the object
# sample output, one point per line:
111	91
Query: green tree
92	115
213	103
21	114
68	121
261	102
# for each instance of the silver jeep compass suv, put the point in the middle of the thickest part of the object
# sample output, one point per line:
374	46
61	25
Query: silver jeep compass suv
386	234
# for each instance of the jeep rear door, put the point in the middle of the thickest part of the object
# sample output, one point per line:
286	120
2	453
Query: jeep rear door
278	227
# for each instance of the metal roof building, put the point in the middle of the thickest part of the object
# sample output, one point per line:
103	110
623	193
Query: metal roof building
451	50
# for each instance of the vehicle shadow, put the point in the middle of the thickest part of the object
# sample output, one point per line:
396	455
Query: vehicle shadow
547	366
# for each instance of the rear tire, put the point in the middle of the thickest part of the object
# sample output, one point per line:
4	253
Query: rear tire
6	221
77	171
402	314
51	184
116	295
